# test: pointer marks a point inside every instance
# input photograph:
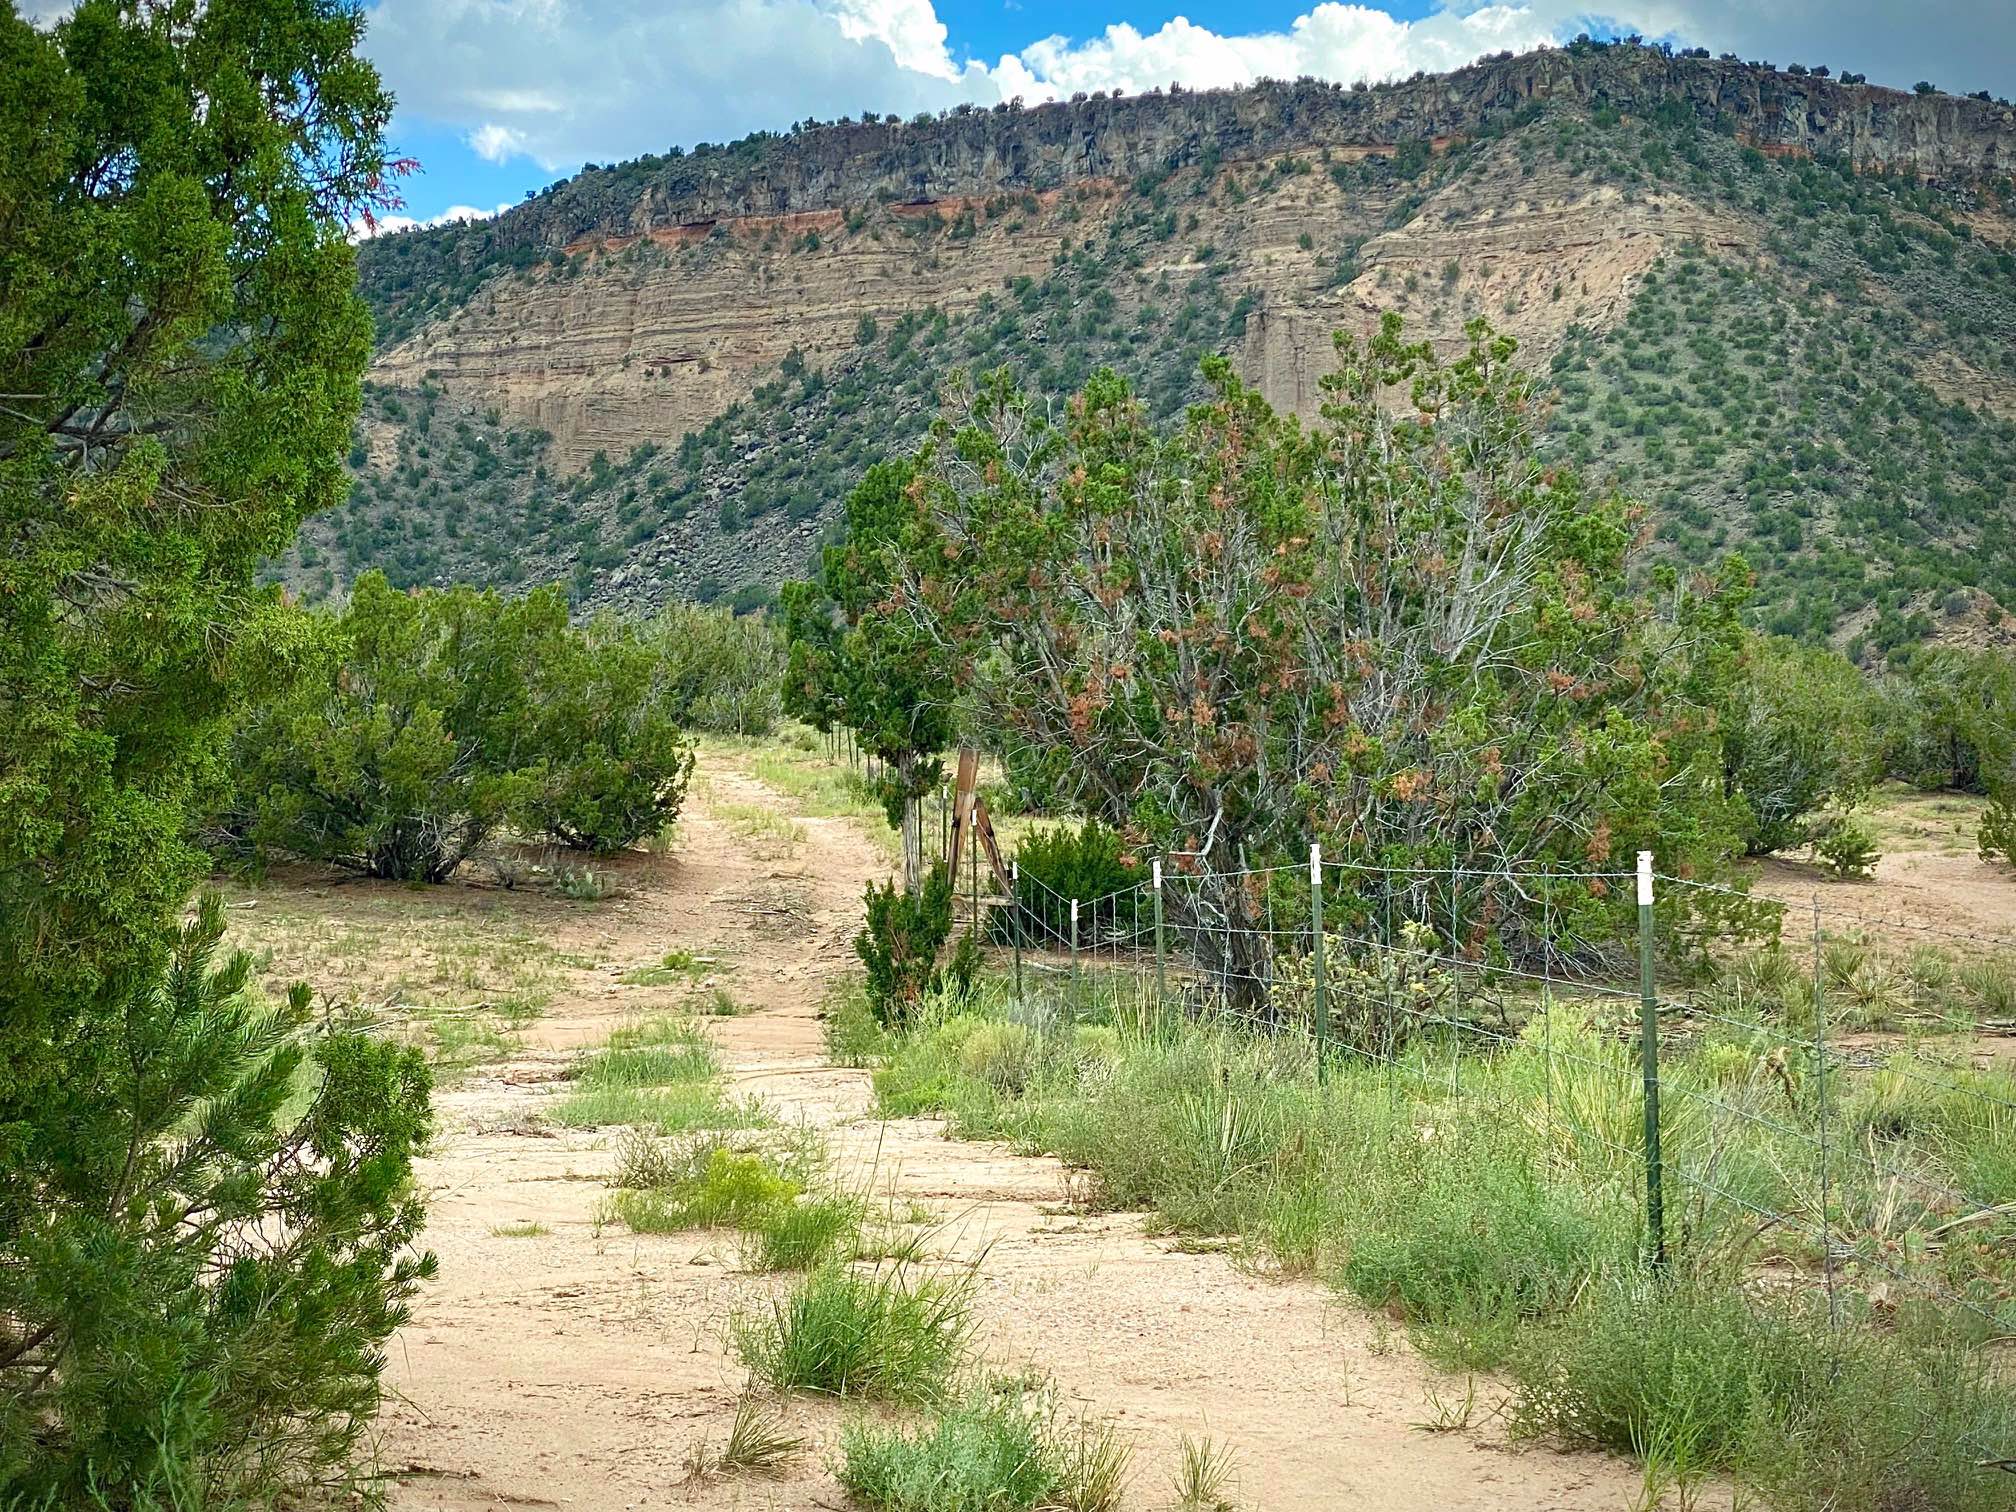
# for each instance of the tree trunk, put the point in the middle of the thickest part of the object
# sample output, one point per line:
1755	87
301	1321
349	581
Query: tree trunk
913	829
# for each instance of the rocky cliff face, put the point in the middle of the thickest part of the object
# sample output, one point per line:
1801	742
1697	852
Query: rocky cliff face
1936	136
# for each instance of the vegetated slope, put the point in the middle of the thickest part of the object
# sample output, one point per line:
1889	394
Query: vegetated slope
659	379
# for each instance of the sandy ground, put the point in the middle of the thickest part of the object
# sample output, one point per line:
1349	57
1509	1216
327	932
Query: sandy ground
1930	887
577	1367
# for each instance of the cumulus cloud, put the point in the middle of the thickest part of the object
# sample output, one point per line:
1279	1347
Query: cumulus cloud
562	81
381	225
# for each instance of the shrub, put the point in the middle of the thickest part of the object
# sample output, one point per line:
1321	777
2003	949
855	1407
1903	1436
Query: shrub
1848	846
1059	863
1798	734
608	764
882	1333
900	941
720	671
274	1238
416	746
1996	836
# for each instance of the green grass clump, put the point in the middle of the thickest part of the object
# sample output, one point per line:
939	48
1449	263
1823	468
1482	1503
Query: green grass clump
799	1235
710	1186
1699	1379
998	1450
888	1332
854	1036
661	1075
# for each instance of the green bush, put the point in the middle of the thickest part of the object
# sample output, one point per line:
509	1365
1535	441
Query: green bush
609	766
721	672
225	1316
900	941
419	742
1058	863
1848	846
1996	836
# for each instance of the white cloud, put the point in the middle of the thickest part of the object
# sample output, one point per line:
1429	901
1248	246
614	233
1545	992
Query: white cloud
362	230
562	81
495	143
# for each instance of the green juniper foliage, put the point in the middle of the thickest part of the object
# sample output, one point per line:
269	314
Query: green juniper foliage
862	658
205	1201
445	714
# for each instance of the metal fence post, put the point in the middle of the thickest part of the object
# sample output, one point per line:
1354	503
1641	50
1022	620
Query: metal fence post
1648	1012
1074	946
1161	973
1820	1113
1015	920
1316	954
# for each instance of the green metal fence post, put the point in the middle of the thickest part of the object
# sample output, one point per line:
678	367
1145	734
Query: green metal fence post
1015	920
1316	959
1648	1014
1820	1113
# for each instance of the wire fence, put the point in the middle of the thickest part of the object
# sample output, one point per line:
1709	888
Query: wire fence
1813	1094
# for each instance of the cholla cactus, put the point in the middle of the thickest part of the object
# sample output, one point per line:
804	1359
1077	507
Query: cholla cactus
1379	995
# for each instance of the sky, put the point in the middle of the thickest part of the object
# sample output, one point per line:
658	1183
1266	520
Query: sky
499	97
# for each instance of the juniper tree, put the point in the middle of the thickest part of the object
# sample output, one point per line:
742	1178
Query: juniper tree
204	1199
859	659
1401	633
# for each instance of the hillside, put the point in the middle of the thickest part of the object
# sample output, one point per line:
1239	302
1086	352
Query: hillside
1779	308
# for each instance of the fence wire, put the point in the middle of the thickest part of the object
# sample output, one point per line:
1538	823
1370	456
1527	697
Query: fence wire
1822	1081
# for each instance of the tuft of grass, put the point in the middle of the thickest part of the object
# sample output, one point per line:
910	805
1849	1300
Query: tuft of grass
1206	1473
888	1333
799	1235
854	1036
526	1230
758	1443
704	1185
674	966
1698	1378
998	1449
660	1075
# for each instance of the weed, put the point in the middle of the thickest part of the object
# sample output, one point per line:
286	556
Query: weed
888	1333
1448	1413
998	1449
799	1235
526	1230
758	1442
1206	1472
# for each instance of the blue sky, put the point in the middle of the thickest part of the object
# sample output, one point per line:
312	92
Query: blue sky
501	96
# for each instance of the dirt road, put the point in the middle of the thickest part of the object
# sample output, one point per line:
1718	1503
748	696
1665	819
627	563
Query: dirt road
561	1362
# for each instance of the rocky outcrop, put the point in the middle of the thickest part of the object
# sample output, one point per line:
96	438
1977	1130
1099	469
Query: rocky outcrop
980	152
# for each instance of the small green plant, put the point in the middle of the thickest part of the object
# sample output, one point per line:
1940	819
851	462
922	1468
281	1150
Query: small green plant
1849	848
890	1332
998	1449
799	1235
758	1442
854	1036
1206	1472
700	1185
900	941
580	884
1996	836
525	1230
